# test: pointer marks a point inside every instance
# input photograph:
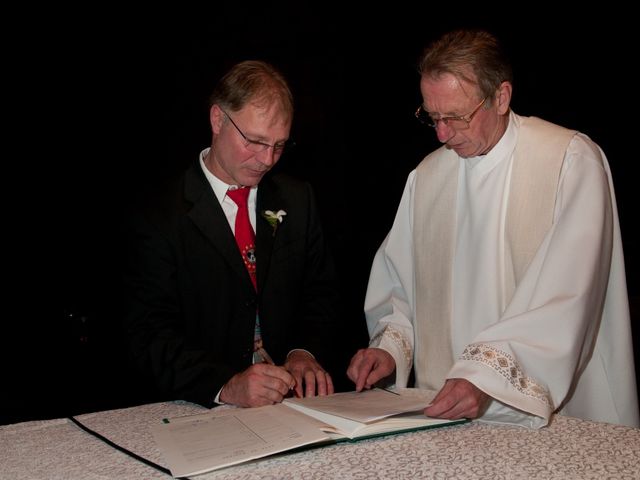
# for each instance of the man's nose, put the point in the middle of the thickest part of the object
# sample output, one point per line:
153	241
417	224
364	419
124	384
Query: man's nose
268	156
443	131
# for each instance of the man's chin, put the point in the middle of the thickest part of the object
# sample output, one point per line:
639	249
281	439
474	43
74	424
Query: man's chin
252	179
460	150
456	148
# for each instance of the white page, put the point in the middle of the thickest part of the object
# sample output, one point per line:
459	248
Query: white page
330	423
216	439
364	407
340	427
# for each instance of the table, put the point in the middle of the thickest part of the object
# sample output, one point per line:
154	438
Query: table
569	448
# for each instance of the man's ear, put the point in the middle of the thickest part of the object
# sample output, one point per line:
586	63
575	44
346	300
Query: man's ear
216	117
503	99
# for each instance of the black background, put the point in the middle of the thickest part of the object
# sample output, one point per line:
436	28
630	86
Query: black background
130	101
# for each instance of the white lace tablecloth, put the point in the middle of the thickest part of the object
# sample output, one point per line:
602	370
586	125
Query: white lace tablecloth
568	449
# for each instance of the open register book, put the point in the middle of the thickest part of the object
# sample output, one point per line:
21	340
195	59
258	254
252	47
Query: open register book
227	436
353	416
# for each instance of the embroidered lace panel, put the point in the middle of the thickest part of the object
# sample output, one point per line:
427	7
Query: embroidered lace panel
396	337
505	365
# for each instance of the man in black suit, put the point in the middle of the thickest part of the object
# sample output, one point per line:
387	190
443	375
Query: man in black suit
192	306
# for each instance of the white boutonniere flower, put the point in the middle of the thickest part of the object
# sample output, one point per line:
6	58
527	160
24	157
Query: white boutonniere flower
274	218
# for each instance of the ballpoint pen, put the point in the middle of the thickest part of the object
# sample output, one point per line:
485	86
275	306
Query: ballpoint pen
389	390
265	356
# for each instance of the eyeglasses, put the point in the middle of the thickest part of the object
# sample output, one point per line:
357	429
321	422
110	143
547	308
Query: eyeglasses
257	146
457	123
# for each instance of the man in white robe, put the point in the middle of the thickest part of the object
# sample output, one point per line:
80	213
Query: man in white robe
502	279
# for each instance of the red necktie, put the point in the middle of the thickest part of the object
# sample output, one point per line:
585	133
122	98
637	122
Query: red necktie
245	237
246	240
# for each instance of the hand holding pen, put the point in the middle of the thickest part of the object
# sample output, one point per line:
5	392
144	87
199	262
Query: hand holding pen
263	383
266	358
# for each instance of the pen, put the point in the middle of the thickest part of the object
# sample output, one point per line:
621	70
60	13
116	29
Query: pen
390	391
265	356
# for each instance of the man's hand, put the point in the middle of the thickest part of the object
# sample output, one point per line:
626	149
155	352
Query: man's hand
370	365
308	372
459	398
260	384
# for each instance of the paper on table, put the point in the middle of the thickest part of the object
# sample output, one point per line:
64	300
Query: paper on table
220	438
369	413
365	406
205	442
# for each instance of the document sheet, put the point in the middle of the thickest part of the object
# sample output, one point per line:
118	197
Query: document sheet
223	437
204	442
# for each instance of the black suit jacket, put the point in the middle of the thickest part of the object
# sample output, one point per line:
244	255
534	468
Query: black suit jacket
191	304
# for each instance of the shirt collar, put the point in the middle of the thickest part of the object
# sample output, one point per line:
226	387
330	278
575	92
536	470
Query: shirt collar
219	187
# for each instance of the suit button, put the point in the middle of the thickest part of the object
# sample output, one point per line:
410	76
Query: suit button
251	304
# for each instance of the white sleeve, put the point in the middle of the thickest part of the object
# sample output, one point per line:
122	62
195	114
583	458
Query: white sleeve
389	303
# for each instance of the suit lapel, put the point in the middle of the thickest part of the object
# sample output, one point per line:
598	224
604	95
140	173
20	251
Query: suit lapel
207	214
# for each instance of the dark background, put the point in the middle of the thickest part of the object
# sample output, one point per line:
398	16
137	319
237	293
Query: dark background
131	102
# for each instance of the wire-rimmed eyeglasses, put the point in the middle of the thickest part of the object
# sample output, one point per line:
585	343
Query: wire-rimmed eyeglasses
457	123
257	146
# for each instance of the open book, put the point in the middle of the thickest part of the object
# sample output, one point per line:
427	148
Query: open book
227	436
353	415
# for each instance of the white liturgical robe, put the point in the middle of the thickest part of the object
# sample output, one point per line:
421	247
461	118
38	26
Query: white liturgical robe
561	339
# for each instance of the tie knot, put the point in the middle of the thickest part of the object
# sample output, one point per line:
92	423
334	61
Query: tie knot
239	195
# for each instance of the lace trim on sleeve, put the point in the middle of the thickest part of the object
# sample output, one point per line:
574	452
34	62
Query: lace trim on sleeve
398	339
506	366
